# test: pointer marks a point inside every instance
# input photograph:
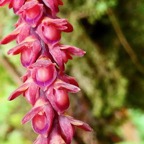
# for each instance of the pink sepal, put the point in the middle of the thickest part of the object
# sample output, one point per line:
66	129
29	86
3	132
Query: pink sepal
16	4
53	5
62	53
31	12
55	136
20	33
43	72
29	49
50	29
79	123
41	139
58	95
41	115
19	91
4	2
66	128
31	114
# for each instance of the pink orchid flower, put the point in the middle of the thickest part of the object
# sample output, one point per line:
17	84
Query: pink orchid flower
57	94
67	124
16	4
41	115
43	72
29	90
21	32
29	49
50	29
62	53
31	12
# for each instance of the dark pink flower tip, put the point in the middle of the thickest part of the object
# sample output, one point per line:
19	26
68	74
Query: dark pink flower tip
16	4
62	53
66	128
79	123
61	24
71	50
68	79
43	72
31	12
53	5
3	2
19	91
59	84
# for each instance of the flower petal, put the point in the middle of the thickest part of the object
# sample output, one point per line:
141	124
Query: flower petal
73	50
59	56
66	128
50	116
53	5
48	33
30	54
39	123
43	121
11	36
61	99
19	91
68	79
71	88
55	136
34	111
3	2
16	4
44	76
31	12
32	94
17	49
41	140
79	123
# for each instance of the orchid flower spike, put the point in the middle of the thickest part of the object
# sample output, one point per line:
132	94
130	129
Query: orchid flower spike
45	85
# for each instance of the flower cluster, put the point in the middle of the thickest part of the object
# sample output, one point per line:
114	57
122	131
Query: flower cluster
45	84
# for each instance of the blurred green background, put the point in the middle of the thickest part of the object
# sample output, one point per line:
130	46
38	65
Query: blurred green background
110	75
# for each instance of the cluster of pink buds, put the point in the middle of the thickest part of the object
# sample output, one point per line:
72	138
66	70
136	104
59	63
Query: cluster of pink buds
45	84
